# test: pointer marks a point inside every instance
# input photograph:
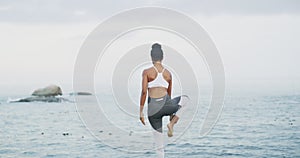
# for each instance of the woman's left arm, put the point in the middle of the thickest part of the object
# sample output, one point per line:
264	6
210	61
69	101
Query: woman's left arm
143	95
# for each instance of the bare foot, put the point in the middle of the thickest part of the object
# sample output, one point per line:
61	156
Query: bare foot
170	125
170	130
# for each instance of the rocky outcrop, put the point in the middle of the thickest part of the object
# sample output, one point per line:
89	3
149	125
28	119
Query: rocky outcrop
48	91
47	94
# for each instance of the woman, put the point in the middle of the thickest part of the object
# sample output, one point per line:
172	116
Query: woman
157	81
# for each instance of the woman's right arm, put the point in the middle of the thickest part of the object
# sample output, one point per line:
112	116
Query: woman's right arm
170	86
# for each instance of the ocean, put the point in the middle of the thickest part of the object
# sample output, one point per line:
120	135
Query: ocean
249	126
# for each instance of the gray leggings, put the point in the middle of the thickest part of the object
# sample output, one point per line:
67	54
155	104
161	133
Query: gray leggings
164	106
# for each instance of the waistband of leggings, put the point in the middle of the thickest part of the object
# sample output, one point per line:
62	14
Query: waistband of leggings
158	99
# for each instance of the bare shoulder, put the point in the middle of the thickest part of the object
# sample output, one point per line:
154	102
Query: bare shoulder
146	71
167	72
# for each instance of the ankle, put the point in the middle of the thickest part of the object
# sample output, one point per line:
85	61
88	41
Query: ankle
174	119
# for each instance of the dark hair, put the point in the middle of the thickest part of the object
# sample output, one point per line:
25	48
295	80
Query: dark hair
156	52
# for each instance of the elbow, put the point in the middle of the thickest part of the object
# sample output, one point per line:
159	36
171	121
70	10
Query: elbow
143	92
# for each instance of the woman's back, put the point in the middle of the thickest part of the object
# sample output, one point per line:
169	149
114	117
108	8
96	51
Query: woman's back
153	75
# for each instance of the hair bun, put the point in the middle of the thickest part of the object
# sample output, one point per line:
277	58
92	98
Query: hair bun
156	52
156	46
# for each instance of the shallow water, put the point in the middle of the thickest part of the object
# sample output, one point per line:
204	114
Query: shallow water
253	126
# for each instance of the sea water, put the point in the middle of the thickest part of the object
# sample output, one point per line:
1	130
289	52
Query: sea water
249	126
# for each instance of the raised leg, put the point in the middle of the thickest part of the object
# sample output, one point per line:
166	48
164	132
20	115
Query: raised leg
174	118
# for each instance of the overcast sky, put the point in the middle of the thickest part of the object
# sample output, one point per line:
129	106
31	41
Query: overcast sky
258	40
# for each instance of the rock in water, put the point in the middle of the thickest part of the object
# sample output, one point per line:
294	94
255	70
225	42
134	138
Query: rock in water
51	90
